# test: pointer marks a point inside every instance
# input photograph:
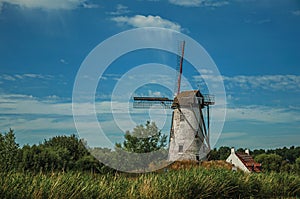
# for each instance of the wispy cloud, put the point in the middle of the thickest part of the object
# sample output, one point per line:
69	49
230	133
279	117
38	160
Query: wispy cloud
26	113
147	21
263	21
120	10
198	3
27	104
257	22
188	3
15	77
8	77
260	141
265	82
49	4
63	61
90	5
266	114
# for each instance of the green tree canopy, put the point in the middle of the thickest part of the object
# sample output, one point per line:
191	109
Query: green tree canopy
143	139
221	154
8	151
270	162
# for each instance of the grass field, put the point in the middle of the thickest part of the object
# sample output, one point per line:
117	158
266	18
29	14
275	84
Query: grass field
185	183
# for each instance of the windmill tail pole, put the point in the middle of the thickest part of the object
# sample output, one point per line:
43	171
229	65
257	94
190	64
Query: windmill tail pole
180	67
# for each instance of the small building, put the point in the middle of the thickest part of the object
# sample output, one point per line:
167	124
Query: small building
243	161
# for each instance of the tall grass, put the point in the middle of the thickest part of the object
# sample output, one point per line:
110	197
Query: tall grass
185	183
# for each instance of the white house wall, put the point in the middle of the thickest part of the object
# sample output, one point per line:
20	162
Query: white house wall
233	159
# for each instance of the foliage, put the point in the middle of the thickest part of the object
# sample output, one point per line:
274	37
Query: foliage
62	167
221	154
270	162
68	153
61	153
8	151
186	183
141	148
289	154
143	139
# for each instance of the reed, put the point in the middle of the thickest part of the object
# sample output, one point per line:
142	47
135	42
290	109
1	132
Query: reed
193	182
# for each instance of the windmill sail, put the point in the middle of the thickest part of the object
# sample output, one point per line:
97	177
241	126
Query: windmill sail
152	102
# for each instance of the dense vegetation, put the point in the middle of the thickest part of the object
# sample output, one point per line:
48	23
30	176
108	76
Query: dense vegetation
65	153
186	183
62	167
61	153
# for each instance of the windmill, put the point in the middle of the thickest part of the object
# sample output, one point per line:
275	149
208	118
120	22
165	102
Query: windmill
190	131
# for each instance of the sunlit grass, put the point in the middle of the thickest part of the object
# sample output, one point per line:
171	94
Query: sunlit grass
184	183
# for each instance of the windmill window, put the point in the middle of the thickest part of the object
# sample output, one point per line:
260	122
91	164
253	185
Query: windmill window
180	150
181	117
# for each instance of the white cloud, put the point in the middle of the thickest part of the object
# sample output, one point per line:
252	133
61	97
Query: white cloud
217	3
206	71
52	105
140	21
26	113
120	10
46	4
26	104
198	3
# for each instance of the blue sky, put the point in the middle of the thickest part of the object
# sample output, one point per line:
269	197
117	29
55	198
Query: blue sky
254	43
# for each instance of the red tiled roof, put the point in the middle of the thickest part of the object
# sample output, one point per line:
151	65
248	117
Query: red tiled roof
249	162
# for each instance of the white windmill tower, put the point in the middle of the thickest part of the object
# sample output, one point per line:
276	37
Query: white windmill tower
189	134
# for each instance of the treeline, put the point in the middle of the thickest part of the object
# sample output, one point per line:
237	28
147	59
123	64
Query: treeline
68	153
278	160
61	153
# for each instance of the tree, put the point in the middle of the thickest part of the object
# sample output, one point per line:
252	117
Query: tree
72	144
270	162
60	153
8	151
257	152
221	154
143	139
213	154
224	152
